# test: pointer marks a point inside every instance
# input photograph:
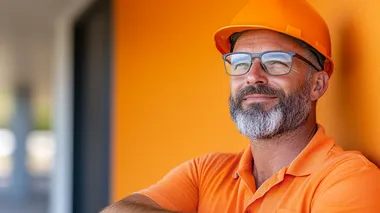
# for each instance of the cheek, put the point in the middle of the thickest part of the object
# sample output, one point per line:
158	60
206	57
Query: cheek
290	83
294	86
236	84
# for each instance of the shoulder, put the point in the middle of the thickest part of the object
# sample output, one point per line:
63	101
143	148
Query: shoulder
217	161
208	165
214	166
342	162
219	157
349	170
349	181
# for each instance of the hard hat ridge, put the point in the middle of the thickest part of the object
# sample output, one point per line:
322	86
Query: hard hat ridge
296	18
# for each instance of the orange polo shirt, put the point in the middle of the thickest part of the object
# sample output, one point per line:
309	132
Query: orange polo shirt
323	178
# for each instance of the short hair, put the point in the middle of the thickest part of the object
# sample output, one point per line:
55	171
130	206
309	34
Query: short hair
320	58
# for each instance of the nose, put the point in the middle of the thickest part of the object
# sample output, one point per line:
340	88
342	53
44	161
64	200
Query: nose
256	74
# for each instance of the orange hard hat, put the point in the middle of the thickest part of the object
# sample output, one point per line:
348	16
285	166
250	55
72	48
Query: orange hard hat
296	18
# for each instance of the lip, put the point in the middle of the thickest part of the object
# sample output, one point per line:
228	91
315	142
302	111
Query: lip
259	98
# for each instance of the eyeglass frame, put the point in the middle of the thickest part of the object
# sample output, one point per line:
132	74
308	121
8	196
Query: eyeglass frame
259	55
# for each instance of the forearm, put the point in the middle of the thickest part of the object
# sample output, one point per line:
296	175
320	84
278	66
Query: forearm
133	207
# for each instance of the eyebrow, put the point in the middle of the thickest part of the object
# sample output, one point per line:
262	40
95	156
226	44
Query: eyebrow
318	56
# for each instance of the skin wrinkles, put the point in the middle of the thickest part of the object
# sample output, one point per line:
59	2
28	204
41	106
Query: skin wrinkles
274	41
299	90
272	153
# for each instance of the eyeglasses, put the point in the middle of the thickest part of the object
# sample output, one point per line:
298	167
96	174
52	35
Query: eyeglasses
273	62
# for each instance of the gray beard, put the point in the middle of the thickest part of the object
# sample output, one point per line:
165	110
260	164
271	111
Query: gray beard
287	115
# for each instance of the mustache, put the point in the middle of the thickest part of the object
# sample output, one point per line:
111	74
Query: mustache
258	89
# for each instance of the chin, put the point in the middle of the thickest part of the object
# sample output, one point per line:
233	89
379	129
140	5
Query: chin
266	107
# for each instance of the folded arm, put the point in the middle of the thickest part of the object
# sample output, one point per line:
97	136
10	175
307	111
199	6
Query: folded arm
135	203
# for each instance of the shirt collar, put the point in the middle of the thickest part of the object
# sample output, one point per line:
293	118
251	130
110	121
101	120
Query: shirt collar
304	164
313	154
245	163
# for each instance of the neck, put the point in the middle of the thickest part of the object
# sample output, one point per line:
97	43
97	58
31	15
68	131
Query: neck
271	155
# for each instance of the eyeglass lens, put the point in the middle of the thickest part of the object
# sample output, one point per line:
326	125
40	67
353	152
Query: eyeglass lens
275	63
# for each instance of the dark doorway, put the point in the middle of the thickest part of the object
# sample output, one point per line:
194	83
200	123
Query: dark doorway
92	108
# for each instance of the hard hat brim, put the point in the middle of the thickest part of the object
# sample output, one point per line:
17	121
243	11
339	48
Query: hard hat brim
222	40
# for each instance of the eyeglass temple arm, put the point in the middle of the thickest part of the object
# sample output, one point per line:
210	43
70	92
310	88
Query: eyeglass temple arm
307	61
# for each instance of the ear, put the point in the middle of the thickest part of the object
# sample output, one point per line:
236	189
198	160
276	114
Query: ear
319	84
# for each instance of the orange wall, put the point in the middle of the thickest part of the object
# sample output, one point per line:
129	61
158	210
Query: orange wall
350	111
171	91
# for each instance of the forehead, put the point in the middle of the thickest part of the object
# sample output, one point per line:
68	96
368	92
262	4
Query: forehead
264	40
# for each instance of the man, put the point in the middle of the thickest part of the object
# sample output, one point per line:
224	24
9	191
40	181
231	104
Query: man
278	55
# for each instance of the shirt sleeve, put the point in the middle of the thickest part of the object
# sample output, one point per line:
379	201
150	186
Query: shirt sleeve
352	190
178	190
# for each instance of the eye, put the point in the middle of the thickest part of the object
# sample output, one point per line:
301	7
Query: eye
242	66
276	63
275	67
237	63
